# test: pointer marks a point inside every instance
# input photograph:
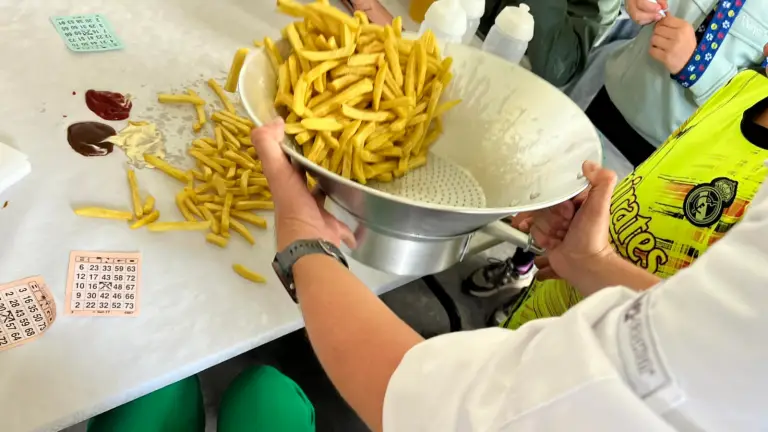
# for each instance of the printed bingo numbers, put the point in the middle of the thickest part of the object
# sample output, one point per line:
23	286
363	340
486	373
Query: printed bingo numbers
103	283
27	310
87	33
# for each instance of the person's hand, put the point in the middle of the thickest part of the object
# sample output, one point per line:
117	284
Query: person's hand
299	214
645	12
765	54
578	243
673	43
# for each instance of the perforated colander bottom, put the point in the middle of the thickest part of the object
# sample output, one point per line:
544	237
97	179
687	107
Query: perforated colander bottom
440	181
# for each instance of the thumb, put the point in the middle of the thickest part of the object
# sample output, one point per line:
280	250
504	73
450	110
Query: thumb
266	139
602	182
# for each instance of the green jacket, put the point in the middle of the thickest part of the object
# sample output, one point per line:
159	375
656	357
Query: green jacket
652	102
564	33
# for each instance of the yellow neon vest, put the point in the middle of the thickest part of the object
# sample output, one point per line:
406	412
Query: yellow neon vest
685	197
691	191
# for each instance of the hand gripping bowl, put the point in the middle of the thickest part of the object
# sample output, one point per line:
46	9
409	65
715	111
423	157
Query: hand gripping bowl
514	144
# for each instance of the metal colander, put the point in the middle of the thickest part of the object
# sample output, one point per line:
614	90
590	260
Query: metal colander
513	144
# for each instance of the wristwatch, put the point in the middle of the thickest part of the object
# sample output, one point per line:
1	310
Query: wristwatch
285	260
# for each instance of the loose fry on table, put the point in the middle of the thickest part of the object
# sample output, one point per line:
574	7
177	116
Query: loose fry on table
250	218
182	206
225	221
170	98
104	213
242	230
237	119
166	167
179	226
149	204
254	205
148	219
220	93
138	210
248	274
234	70
216	239
200	110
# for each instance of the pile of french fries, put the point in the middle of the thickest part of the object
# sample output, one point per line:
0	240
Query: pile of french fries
219	194
361	101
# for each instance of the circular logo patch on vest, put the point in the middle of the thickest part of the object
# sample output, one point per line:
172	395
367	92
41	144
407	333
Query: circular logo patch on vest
706	202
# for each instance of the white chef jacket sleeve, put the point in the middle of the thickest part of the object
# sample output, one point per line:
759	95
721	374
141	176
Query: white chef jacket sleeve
688	355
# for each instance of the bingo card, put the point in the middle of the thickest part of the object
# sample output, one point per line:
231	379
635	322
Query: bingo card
27	309
87	33
103	283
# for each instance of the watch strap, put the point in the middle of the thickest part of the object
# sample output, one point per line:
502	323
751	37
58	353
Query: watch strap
287	258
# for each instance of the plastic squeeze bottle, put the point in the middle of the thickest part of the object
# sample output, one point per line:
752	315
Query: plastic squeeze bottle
447	20
510	34
474	10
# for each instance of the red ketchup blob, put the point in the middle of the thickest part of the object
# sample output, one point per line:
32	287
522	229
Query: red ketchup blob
108	105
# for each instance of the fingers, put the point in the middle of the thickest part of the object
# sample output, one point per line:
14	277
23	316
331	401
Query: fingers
266	140
603	182
646	11
657	54
661	43
287	185
664	32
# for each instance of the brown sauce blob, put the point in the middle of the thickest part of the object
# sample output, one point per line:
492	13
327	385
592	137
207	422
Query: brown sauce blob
86	138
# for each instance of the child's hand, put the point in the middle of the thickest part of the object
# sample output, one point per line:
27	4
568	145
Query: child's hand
673	43
645	12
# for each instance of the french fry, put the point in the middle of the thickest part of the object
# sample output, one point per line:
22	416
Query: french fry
104	213
273	53
248	274
208	161
320	56
444	107
138	209
207	215
217	240
179	226
242	230
250	218
357	114
220	93
149	204
148	219
234	70
254	205
166	168
172	99
199	109
225	221
322	124
236	119
181	204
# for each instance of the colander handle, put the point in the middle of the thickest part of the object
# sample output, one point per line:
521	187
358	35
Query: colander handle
502	231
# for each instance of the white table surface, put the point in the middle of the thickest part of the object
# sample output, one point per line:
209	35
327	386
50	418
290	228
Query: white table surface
195	312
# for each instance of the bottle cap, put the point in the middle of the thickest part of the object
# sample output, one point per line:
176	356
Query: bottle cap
475	9
516	22
447	16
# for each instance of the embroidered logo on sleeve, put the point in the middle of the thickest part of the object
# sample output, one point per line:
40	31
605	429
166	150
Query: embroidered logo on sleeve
643	365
